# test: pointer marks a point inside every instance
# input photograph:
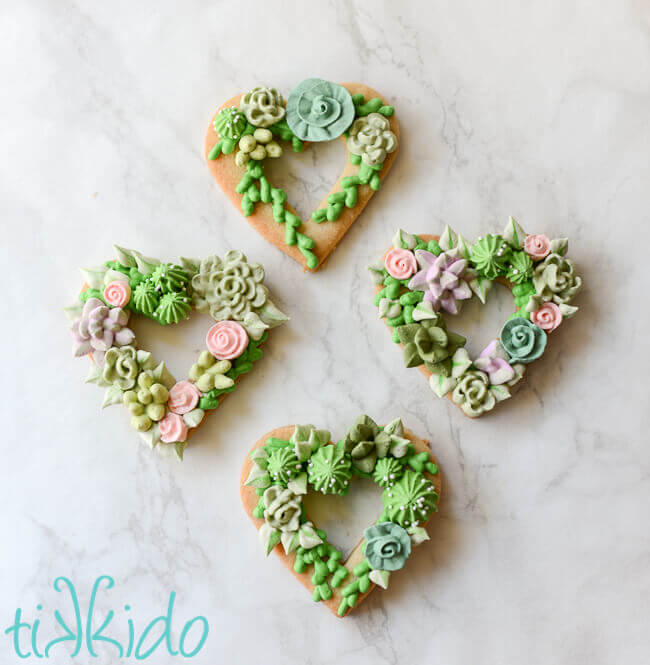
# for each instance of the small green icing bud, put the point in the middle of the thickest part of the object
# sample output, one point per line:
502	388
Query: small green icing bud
387	471
156	411
173	307
141	423
230	123
329	470
521	268
283	465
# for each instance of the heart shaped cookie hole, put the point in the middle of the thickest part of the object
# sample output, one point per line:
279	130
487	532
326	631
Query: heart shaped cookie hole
288	462
252	128
166	412
423	280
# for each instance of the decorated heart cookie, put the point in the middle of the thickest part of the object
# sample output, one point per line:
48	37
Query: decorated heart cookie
256	126
422	280
165	412
291	461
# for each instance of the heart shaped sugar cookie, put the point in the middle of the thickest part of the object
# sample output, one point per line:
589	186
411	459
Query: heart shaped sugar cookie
253	127
421	277
166	412
291	461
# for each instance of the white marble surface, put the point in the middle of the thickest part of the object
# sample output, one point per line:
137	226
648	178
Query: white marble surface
541	551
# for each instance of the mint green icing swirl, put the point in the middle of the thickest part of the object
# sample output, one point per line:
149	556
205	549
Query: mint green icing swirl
319	110
555	279
490	255
387	471
262	106
283	465
522	340
387	546
173	307
520	269
329	470
409	501
372	139
145	298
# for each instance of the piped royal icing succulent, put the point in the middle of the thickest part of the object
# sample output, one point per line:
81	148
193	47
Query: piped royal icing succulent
289	462
253	127
163	411
415	305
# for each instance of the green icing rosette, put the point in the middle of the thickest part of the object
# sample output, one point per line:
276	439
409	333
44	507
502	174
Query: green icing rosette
283	465
230	124
329	470
145	298
387	471
409	501
520	269
490	256
173	307
168	278
319	110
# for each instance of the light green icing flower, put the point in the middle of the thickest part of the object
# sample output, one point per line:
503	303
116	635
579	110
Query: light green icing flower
168	277
147	404
521	267
523	340
366	443
372	139
555	279
329	470
490	255
387	546
429	343
122	366
387	471
472	393
173	307
208	373
145	298
229	123
233	288
262	106
283	465
282	508
409	501
319	110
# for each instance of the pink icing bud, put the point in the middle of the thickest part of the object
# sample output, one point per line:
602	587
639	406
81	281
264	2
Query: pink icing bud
117	293
183	397
172	428
537	246
226	340
400	263
548	317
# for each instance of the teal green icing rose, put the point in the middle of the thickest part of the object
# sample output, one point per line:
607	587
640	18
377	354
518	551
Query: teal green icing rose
555	279
523	340
262	106
319	110
372	139
388	546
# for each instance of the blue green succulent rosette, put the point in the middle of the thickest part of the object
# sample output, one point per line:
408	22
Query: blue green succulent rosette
319	110
522	340
388	546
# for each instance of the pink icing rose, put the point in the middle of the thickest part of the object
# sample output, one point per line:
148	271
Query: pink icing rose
117	293
226	340
183	397
548	317
172	428
537	246
400	263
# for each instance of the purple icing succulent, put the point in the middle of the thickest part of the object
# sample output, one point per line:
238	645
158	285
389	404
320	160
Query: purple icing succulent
99	328
442	278
494	362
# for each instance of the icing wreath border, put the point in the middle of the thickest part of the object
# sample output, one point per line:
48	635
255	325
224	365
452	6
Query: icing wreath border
316	111
283	471
163	411
418	279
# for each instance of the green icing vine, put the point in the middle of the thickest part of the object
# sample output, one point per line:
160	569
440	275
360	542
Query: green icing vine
375	105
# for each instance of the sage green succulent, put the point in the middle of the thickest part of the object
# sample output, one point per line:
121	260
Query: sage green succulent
366	443
555	279
429	342
123	365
